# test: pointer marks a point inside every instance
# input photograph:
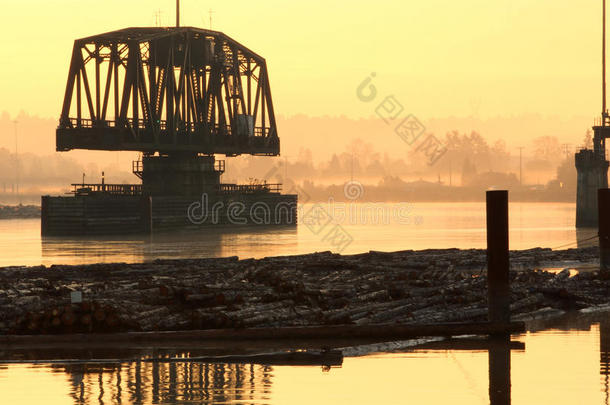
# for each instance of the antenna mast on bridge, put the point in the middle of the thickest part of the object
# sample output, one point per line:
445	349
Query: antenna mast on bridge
604	111
591	165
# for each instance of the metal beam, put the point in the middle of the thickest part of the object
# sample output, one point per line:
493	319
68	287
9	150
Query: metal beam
185	89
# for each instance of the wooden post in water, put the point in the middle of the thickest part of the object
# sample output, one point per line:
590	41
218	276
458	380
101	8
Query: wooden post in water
498	288
603	215
499	370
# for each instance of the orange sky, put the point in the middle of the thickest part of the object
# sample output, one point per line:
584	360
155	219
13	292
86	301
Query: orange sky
439	58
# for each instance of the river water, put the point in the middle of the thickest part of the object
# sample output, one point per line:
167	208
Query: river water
351	228
568	363
563	363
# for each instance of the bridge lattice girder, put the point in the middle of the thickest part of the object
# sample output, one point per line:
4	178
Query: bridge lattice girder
167	90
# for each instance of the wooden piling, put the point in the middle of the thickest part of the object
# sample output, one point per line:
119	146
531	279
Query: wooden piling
499	370
603	207
498	288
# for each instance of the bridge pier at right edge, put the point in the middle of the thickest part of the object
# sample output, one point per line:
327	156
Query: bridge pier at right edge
592	172
603	195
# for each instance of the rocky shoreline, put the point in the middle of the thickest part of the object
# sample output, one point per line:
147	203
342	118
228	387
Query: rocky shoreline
407	287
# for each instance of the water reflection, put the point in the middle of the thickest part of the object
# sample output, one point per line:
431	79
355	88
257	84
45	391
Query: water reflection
498	350
604	354
499	370
144	381
567	362
141	382
218	241
439	225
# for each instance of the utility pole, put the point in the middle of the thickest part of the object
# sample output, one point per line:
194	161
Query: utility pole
17	162
210	12
177	13
520	166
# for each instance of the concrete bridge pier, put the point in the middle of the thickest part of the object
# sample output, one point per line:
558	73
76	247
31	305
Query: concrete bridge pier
592	169
181	174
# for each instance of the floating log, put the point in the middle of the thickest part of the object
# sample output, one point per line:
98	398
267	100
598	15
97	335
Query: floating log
469	345
382	331
68	318
304	358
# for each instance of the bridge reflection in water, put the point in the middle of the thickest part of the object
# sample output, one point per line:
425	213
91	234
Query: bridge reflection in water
558	367
142	382
216	241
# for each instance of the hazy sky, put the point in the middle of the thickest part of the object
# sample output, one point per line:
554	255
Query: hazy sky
439	58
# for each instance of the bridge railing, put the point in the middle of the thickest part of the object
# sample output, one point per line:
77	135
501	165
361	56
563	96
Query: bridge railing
102	188
250	188
136	189
160	125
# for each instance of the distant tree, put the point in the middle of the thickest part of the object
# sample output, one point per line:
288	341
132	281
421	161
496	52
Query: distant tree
473	146
500	156
478	144
305	156
547	148
334	166
469	172
566	174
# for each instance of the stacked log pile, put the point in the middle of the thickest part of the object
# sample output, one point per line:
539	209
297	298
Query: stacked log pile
315	289
85	317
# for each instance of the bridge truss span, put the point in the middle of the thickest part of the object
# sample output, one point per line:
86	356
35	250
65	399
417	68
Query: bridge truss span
167	90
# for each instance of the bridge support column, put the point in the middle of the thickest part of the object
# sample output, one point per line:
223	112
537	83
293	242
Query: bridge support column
604	229
177	174
592	169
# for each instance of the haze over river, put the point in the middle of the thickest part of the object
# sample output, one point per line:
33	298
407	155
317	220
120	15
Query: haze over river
566	364
361	227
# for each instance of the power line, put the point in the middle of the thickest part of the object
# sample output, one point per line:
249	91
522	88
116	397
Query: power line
576	243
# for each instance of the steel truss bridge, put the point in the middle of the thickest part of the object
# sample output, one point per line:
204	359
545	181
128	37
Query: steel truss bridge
167	90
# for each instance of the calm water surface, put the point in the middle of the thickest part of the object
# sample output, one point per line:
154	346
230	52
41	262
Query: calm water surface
568	364
385	227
